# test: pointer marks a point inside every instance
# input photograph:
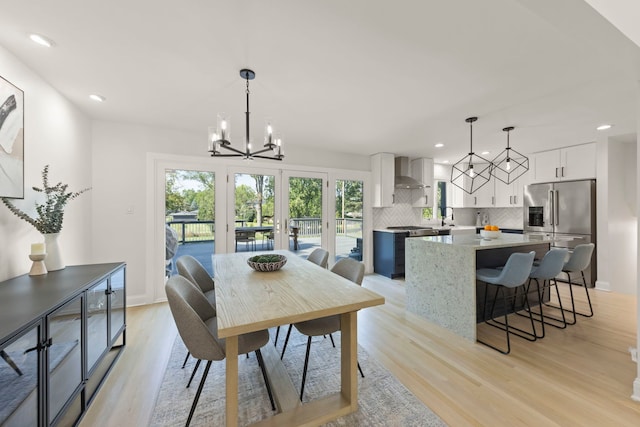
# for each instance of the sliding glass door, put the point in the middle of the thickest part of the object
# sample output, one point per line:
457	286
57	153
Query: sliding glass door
348	219
304	203
252	216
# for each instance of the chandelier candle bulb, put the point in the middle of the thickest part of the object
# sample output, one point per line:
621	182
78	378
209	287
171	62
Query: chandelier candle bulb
38	249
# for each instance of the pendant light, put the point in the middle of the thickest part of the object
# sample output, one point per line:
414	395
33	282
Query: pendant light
472	171
219	137
509	165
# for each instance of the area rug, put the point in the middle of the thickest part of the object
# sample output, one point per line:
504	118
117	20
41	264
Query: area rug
383	400
15	388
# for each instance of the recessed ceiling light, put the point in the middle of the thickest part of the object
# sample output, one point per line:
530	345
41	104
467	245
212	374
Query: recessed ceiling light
97	98
604	127
485	152
439	145
41	40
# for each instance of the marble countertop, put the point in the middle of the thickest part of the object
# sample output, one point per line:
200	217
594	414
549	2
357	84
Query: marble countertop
434	227
478	243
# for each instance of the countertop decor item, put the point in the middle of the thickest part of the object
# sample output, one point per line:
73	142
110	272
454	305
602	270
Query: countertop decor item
490	234
51	212
270	262
37	268
49	215
219	137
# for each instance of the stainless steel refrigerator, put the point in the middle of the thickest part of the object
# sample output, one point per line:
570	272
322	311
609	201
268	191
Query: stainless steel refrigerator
566	213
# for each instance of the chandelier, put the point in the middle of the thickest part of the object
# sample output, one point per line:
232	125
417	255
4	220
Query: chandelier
219	136
472	171
509	165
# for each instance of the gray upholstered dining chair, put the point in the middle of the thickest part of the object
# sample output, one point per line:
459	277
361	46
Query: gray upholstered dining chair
349	269
319	256
197	325
191	269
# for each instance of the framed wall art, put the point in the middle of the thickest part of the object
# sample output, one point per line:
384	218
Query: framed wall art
11	141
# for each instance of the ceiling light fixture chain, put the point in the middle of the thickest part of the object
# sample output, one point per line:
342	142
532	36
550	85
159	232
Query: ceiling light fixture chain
219	137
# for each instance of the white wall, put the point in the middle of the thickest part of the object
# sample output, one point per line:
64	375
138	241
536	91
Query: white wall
622	219
120	186
56	133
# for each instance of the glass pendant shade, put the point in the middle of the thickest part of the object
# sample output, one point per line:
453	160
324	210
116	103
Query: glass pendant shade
472	171
510	164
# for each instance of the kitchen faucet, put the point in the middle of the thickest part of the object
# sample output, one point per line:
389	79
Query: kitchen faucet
445	215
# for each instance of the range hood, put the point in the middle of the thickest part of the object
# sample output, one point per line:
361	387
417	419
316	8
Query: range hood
402	178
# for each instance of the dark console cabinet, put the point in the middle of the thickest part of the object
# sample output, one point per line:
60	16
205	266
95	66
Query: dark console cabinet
60	333
388	253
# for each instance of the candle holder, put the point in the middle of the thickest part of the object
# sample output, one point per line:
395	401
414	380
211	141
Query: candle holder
38	268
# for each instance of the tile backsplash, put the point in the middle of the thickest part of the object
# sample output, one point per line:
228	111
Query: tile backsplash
502	217
403	213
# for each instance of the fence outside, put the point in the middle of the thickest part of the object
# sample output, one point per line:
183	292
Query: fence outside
203	231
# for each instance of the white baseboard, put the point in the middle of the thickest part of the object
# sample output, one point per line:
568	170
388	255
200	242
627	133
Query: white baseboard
636	390
137	300
603	286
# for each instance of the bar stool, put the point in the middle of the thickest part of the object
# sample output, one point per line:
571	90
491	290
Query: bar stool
513	275
578	262
549	267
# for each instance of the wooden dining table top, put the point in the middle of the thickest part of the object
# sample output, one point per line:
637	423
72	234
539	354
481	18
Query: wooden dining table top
248	300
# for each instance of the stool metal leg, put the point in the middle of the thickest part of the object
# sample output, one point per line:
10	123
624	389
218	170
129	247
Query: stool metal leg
573	304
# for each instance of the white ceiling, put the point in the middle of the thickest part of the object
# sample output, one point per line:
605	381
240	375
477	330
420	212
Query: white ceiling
357	76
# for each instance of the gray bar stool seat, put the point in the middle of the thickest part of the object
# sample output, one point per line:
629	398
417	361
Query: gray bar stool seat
577	263
513	275
546	270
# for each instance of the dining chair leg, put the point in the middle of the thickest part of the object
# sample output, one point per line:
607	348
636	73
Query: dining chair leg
275	341
360	369
186	359
286	340
193	374
195	399
332	342
266	379
306	364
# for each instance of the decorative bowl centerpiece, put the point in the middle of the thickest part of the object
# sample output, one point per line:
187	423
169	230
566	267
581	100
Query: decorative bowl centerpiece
267	262
490	234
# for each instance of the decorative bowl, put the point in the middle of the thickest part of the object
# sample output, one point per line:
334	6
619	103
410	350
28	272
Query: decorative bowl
267	262
490	235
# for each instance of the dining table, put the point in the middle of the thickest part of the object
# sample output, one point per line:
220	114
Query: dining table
249	301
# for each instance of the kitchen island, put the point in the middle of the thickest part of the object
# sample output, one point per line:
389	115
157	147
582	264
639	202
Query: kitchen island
440	275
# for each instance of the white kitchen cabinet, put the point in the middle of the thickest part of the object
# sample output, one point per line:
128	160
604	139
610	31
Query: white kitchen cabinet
569	163
382	173
422	170
510	195
484	197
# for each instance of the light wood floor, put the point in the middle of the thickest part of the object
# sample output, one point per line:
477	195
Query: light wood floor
580	376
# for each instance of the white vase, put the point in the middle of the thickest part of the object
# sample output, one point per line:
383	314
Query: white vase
53	261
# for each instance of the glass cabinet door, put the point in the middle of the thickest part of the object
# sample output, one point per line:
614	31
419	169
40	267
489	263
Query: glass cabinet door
96	323
19	380
64	355
117	303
